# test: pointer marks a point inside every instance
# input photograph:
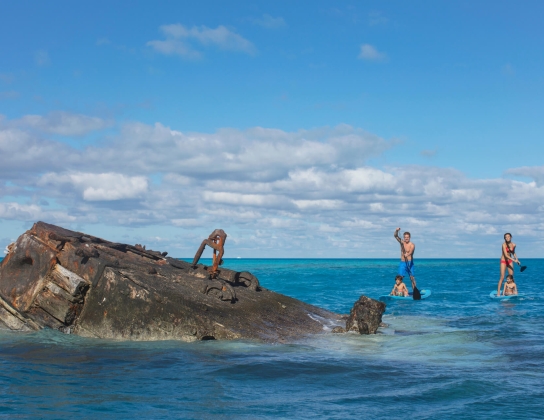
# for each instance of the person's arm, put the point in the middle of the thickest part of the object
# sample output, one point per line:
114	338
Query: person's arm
506	253
515	289
393	291
396	235
504	288
516	258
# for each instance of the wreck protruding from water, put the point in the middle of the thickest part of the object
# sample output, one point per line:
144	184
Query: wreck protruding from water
80	284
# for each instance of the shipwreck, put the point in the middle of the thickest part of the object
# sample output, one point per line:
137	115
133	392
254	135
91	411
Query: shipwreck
80	284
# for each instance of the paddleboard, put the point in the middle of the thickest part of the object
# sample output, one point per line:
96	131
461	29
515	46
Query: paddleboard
425	293
493	295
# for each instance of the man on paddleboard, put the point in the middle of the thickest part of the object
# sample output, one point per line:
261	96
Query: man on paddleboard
406	266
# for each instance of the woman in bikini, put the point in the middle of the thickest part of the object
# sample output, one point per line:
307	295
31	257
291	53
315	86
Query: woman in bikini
508	258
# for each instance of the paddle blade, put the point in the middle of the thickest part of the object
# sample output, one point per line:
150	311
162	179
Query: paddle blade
416	294
522	268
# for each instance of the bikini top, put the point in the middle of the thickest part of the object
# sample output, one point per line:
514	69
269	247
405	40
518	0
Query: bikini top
510	251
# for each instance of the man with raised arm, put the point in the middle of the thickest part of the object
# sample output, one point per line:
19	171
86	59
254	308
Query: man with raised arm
406	266
216	240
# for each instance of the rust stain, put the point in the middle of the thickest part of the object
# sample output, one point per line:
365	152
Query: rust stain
105	313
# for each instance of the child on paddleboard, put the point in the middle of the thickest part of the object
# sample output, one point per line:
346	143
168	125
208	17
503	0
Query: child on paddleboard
510	287
400	288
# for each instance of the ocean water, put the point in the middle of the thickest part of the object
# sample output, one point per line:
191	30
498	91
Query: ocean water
456	355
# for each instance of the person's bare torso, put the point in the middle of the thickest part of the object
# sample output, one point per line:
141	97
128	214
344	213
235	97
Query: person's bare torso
409	248
508	249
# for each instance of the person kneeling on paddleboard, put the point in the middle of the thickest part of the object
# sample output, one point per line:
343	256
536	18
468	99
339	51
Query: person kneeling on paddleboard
510	287
399	289
406	266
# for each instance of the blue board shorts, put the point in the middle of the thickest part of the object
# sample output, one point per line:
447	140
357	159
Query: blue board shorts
407	269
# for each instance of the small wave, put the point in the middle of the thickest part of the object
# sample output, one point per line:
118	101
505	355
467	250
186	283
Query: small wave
328	324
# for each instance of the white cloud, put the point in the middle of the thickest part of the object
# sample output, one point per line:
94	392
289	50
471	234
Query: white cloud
23	154
534	172
284	192
19	211
370	53
267	21
100	187
32	213
318	204
63	123
183	41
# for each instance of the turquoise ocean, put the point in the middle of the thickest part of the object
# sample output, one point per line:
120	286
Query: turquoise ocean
456	355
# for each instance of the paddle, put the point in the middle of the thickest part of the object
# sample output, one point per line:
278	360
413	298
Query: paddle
522	268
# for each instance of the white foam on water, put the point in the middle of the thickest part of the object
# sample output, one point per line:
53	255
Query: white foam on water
328	324
412	339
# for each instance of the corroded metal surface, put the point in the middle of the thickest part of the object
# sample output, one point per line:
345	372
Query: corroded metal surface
80	284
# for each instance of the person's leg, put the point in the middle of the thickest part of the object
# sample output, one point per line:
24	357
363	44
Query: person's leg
503	269
402	269
411	270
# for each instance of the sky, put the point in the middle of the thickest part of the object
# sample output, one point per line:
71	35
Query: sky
305	129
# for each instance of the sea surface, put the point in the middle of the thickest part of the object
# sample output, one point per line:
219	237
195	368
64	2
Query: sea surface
455	355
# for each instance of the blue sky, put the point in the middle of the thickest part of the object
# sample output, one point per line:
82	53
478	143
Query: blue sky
298	127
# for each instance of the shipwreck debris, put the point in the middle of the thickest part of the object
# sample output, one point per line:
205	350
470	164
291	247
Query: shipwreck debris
81	284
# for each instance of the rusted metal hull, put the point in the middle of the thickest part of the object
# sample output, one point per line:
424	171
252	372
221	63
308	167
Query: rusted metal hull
80	284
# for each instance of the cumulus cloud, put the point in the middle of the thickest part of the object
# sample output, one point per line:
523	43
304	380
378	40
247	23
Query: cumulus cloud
370	53
32	213
19	211
534	172
63	123
267	21
183	41
280	191
99	187
23	154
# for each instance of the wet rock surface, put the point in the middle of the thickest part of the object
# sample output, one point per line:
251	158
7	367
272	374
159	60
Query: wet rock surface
366	316
81	284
